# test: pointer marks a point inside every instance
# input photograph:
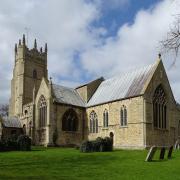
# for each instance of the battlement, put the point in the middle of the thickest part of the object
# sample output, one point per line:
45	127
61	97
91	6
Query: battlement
23	52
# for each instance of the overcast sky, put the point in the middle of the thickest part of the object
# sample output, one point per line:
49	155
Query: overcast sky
88	38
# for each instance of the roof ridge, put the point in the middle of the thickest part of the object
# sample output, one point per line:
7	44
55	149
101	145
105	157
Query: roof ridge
122	74
63	86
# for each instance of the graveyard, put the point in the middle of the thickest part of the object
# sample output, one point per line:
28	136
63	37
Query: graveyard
69	163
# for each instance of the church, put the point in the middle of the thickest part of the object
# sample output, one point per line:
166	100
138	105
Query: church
137	109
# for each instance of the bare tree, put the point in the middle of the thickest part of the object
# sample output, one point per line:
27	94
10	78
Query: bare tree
4	110
172	42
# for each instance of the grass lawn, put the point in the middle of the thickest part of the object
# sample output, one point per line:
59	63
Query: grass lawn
67	163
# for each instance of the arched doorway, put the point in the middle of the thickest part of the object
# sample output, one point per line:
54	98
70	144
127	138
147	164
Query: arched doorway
24	129
111	134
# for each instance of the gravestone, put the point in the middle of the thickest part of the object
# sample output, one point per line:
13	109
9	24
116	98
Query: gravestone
151	153
177	144
162	153
170	152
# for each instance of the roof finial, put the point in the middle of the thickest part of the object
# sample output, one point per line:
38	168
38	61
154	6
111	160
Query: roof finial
24	39
46	48
50	80
19	42
159	55
35	44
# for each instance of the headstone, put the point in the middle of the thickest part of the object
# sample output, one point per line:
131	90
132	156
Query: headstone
162	153
177	144
151	153
170	152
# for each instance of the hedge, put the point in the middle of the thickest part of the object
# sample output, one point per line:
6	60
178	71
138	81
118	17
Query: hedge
99	145
21	143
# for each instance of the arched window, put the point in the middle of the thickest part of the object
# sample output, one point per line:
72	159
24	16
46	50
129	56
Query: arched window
70	121
105	118
160	108
93	122
34	74
123	116
25	112
42	112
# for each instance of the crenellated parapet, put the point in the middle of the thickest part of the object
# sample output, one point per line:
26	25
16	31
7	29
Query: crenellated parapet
22	52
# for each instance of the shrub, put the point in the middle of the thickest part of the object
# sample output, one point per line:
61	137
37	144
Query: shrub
108	143
99	145
86	146
24	143
2	145
11	144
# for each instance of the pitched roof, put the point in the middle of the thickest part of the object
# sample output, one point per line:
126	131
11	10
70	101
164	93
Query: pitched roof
123	86
67	95
12	122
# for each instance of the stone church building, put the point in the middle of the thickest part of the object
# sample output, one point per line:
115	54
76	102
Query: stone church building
137	109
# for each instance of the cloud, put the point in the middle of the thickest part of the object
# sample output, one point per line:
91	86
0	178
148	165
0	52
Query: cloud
135	45
112	4
64	24
78	51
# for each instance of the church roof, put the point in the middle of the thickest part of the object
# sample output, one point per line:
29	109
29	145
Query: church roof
124	86
11	122
67	95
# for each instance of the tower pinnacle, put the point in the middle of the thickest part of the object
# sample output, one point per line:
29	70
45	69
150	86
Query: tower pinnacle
35	44
24	39
46	49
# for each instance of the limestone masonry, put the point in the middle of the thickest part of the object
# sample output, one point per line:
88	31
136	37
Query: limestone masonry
136	109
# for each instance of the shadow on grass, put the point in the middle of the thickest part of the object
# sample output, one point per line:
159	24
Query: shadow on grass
162	160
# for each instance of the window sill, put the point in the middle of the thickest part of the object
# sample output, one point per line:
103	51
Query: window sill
123	127
160	129
105	128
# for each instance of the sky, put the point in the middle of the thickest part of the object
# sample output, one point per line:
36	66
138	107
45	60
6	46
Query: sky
88	38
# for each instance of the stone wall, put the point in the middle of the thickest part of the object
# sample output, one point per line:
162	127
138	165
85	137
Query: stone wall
155	136
7	132
65	138
41	135
86	91
26	119
131	136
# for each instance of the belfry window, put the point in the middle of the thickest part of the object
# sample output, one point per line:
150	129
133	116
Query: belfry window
123	116
42	112
70	121
160	108
93	122
105	118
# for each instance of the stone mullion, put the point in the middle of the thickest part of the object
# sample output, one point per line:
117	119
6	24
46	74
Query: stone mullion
163	125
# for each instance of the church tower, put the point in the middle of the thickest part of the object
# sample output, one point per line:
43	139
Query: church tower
30	67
